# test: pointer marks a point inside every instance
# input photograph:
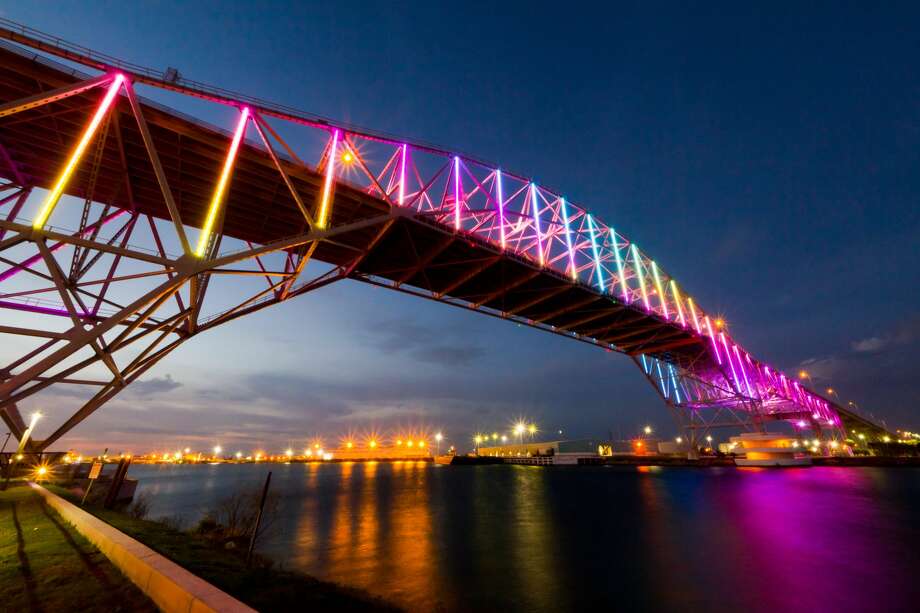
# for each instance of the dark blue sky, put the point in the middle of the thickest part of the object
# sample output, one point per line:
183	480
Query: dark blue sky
769	158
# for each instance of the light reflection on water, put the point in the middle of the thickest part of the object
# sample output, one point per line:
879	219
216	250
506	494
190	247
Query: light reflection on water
556	539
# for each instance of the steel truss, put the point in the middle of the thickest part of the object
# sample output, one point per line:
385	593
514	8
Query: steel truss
126	307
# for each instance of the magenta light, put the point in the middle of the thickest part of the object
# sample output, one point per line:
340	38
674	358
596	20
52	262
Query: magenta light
501	206
712	338
730	362
402	175
457	192
536	220
801	423
747	384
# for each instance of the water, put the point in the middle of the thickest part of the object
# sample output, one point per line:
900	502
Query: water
519	538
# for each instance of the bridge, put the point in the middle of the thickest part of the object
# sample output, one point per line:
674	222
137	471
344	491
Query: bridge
140	210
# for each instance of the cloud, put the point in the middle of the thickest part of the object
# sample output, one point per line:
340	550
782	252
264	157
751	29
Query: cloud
157	385
868	345
443	347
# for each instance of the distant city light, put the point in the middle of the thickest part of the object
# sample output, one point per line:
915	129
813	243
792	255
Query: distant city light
438	437
647	429
238	454
217	449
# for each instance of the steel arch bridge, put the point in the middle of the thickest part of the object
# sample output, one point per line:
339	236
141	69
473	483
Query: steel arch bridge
164	207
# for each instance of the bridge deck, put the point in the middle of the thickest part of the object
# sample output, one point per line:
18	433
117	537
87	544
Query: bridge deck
259	208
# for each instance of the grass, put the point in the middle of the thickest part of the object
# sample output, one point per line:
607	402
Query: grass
263	588
46	565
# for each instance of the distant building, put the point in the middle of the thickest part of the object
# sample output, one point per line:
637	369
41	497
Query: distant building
544	452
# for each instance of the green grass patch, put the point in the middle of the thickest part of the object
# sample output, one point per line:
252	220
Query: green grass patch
46	565
261	587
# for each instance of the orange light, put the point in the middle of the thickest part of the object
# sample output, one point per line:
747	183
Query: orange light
372	444
347	157
421	443
720	322
409	443
58	190
349	444
399	443
803	374
218	196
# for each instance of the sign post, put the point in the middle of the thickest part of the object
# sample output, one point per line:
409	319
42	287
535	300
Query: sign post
94	472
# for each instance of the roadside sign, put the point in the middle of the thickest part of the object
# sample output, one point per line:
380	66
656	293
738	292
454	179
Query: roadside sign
95	469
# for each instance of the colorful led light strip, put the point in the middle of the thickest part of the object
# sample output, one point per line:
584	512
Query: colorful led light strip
662	299
674	381
680	309
221	188
327	185
536	221
456	192
638	262
568	239
730	362
501	206
402	175
664	382
696	320
624	285
597	257
712	337
58	190
747	384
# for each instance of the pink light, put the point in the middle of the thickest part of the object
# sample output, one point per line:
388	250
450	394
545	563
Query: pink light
456	192
327	185
801	423
730	362
58	190
747	385
501	206
568	239
402	175
712	338
696	321
536	220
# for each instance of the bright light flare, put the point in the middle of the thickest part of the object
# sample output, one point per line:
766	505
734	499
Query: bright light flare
218	196
638	263
568	239
662	299
328	183
501	205
594	251
536	222
58	190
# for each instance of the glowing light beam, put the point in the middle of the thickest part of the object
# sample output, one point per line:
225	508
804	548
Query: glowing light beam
568	239
221	188
638	262
328	183
58	190
597	257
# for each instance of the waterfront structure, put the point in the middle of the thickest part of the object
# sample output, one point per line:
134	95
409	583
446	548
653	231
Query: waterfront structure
544	452
171	205
766	449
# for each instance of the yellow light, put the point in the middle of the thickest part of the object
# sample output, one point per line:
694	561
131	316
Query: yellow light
58	190
188	449
18	456
720	322
532	429
409	443
803	374
217	449
886	439
349	444
477	439
438	437
372	444
647	429
239	454
862	437
218	196
328	183
679	440
288	452
421	443
495	436
834	444
347	157
519	428
320	452
399	442
308	452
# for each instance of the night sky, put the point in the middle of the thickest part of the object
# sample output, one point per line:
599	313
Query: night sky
769	159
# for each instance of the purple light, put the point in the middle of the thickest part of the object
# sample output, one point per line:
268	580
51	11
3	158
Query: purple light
568	238
402	175
501	205
456	192
536	220
712	338
730	362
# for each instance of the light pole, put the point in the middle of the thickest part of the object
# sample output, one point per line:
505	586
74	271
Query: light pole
437	438
519	430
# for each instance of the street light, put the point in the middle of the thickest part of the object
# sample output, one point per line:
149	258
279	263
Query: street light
217	449
438	437
519	430
648	430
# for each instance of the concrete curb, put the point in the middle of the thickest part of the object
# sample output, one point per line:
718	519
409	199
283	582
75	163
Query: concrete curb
172	588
